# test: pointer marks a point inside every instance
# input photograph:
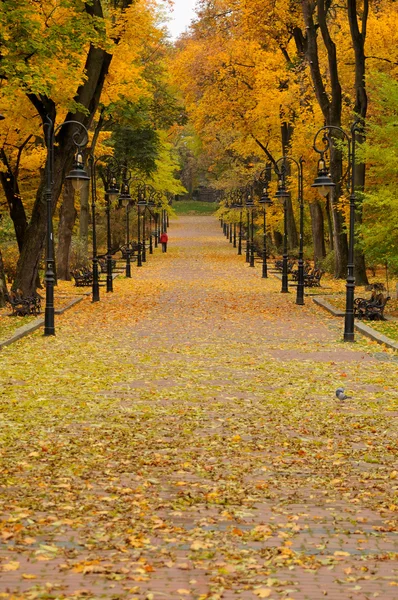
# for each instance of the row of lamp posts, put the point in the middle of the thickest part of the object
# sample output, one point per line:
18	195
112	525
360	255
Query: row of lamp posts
148	201
324	184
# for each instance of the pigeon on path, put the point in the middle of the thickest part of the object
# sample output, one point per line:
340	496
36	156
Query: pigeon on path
341	395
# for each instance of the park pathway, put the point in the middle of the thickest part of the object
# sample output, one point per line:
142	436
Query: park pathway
181	439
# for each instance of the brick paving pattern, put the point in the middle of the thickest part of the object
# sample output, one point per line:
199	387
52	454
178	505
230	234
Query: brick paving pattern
203	484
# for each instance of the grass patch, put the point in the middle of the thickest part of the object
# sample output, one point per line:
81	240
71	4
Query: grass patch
388	328
9	325
194	207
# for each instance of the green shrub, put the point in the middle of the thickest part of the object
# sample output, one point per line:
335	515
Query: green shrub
327	264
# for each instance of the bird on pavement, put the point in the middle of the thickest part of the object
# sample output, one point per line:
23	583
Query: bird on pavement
341	395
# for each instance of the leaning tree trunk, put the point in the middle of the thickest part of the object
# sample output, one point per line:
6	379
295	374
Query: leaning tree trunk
28	263
11	191
67	218
3	283
318	231
88	96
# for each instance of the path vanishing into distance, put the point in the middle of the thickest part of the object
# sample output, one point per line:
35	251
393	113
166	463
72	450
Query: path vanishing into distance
182	439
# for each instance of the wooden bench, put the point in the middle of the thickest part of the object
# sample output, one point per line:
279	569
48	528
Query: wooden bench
371	309
313	278
24	305
290	265
132	249
103	265
83	277
306	271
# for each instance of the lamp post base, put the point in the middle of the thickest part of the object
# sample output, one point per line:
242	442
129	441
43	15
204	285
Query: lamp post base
109	278
300	283
349	305
285	284
95	288
49	312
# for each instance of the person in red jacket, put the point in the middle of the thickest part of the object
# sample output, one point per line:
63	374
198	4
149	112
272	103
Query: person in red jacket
164	238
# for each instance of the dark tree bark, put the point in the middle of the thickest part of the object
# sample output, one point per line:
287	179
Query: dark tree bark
67	217
88	95
331	110
84	218
318	231
9	182
3	283
292	237
330	225
361	104
278	237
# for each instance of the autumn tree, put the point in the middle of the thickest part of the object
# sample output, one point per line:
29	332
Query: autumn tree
72	41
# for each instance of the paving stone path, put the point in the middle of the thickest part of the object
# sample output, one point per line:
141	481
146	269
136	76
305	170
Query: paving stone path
204	455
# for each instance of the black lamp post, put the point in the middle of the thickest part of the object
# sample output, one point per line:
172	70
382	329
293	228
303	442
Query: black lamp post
78	177
143	251
111	195
282	194
158	204
250	233
247	232
239	204
126	200
93	162
265	200
300	195
151	206
324	184
300	282
141	206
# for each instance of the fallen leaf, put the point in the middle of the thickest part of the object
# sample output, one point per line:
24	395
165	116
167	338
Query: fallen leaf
11	566
263	592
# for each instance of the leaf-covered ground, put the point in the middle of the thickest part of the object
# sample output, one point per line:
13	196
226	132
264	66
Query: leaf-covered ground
182	439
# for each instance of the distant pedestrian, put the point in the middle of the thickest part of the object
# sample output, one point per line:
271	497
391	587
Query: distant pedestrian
164	238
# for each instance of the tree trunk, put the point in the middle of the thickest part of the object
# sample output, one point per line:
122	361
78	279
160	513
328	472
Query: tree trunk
361	104
331	105
84	219
3	283
330	225
361	277
88	95
340	244
318	231
292	237
14	201
278	237
67	217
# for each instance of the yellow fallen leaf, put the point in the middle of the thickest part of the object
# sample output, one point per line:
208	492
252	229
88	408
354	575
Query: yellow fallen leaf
184	592
28	541
28	576
11	566
340	553
263	592
198	545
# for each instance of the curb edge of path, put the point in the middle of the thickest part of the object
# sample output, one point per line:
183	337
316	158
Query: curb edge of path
25	330
360	327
